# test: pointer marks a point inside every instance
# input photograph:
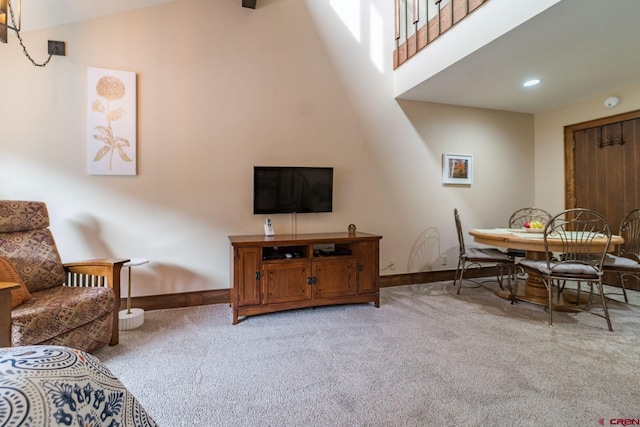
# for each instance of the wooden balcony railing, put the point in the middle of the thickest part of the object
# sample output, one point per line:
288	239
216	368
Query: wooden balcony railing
420	22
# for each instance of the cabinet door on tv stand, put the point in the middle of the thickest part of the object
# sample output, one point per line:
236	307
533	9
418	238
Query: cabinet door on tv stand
368	267
247	281
335	278
286	281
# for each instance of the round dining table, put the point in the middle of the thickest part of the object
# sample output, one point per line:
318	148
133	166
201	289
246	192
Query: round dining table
534	290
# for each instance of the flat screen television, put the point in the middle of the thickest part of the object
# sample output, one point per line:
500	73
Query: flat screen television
287	189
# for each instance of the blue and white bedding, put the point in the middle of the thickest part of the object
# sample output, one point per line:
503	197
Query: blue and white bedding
60	386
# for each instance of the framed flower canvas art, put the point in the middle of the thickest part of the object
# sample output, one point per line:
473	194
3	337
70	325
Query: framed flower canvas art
112	122
457	169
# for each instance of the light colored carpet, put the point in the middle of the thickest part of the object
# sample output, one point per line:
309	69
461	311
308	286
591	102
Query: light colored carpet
426	357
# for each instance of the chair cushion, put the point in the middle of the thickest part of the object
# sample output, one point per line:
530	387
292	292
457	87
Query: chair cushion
613	262
537	265
17	215
561	269
488	254
51	312
9	274
88	337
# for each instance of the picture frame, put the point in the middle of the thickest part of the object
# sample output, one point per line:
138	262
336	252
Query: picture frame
457	169
111	122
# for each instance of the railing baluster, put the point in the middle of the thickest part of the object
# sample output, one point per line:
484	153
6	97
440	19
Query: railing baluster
403	21
439	16
406	23
396	53
397	9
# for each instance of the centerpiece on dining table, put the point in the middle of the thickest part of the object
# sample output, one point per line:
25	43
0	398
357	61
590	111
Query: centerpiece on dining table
534	226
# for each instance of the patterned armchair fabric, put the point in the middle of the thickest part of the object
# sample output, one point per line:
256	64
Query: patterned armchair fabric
64	315
27	242
79	317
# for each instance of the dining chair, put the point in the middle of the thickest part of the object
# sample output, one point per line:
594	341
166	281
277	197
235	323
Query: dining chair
524	215
520	217
469	257
626	261
581	239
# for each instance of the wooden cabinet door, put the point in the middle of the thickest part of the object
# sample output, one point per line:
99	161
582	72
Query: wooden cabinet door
286	282
368	267
335	278
246	276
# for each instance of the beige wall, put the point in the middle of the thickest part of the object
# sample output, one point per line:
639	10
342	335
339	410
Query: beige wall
549	140
223	88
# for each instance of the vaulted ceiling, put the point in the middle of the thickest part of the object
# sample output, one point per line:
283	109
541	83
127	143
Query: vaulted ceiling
38	14
578	48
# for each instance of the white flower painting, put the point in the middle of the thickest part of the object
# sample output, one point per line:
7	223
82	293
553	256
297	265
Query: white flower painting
111	122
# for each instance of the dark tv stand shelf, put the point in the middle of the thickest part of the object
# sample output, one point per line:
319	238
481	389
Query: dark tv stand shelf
291	271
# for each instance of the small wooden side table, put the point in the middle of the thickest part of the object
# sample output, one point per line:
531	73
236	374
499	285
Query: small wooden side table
131	318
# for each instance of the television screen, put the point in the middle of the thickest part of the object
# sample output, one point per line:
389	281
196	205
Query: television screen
280	189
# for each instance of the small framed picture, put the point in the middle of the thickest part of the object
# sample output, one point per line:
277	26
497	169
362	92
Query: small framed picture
457	169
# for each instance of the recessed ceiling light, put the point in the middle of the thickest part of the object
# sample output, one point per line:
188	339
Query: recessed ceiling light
531	82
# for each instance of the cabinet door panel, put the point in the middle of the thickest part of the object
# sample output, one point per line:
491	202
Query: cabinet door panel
335	278
368	267
286	282
247	283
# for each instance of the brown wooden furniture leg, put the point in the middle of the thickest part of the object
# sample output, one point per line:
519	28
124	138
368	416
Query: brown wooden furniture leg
5	312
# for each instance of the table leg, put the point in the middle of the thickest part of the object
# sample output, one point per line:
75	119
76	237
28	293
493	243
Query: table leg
131	318
534	289
129	293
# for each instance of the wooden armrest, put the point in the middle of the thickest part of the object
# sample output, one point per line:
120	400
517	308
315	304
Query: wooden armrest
98	262
5	309
8	286
106	267
101	267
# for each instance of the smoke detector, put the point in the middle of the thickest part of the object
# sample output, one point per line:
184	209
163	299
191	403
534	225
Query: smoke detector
611	102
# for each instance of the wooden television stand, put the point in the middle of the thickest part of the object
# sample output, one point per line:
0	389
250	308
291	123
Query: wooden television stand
290	271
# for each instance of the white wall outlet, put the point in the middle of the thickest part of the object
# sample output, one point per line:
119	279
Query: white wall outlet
444	260
392	264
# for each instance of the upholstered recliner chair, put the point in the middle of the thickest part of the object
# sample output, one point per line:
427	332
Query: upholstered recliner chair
74	305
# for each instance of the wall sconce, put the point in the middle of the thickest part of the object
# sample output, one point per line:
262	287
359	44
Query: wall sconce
10	19
9	15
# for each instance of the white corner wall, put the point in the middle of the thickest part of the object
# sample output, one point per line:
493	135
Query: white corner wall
222	88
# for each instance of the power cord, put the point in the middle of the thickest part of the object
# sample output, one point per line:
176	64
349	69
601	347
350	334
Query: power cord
388	267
